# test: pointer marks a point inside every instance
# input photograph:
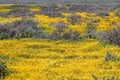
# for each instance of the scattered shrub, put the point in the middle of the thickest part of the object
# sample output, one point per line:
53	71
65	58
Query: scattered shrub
94	20
3	14
111	36
102	13
117	12
70	34
3	70
109	56
52	14
52	10
94	77
18	6
60	26
74	19
90	30
104	78
55	35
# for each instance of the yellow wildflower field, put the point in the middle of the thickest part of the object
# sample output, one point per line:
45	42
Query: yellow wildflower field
45	59
36	59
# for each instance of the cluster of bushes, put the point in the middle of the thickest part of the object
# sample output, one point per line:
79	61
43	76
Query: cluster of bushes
29	29
21	29
111	36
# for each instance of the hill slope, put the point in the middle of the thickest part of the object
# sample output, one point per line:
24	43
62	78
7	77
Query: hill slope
55	1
